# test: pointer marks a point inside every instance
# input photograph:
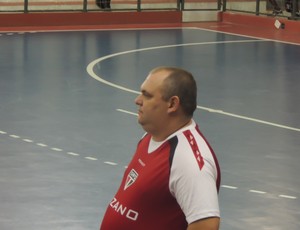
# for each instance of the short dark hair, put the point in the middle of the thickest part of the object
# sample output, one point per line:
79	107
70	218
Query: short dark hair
180	83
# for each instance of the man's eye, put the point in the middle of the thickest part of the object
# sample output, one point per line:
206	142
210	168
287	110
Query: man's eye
147	95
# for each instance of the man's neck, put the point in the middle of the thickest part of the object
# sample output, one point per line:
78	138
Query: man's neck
173	127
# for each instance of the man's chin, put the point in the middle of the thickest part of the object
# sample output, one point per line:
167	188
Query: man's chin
140	122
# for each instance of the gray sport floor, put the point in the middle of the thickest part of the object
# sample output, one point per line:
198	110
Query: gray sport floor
68	126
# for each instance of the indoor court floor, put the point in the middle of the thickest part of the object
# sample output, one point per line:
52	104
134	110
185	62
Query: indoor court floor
68	121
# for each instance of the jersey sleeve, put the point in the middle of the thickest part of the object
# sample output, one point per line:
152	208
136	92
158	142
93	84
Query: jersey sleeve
194	187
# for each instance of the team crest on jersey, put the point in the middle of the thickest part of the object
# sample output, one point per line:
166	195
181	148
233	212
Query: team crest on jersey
131	178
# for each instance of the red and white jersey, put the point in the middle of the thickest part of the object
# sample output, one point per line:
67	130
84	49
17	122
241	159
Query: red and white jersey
167	185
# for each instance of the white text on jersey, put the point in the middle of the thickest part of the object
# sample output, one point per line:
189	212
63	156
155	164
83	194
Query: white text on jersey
123	210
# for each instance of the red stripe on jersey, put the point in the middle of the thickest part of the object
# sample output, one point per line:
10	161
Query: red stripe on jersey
195	148
218	183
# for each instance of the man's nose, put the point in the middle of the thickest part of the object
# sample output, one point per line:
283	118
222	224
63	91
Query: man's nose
138	100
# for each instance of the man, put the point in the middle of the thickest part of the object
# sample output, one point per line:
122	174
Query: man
173	179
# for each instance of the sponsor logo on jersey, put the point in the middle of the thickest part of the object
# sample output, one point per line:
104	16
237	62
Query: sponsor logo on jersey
123	210
131	178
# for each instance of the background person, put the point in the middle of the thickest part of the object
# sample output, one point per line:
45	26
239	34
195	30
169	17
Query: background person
103	4
276	7
288	4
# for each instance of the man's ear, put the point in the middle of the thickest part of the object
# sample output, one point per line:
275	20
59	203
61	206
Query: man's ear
174	103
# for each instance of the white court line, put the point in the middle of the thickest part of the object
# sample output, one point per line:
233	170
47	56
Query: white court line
91	158
128	112
114	164
91	72
232	115
229	187
243	35
57	149
73	154
28	140
90	66
257	191
248	118
110	163
41	144
288	197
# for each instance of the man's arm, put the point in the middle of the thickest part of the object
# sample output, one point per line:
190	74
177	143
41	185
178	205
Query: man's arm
205	224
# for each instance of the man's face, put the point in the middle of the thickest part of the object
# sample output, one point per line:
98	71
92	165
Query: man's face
152	111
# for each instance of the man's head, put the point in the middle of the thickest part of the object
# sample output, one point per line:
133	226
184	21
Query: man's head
180	83
168	98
